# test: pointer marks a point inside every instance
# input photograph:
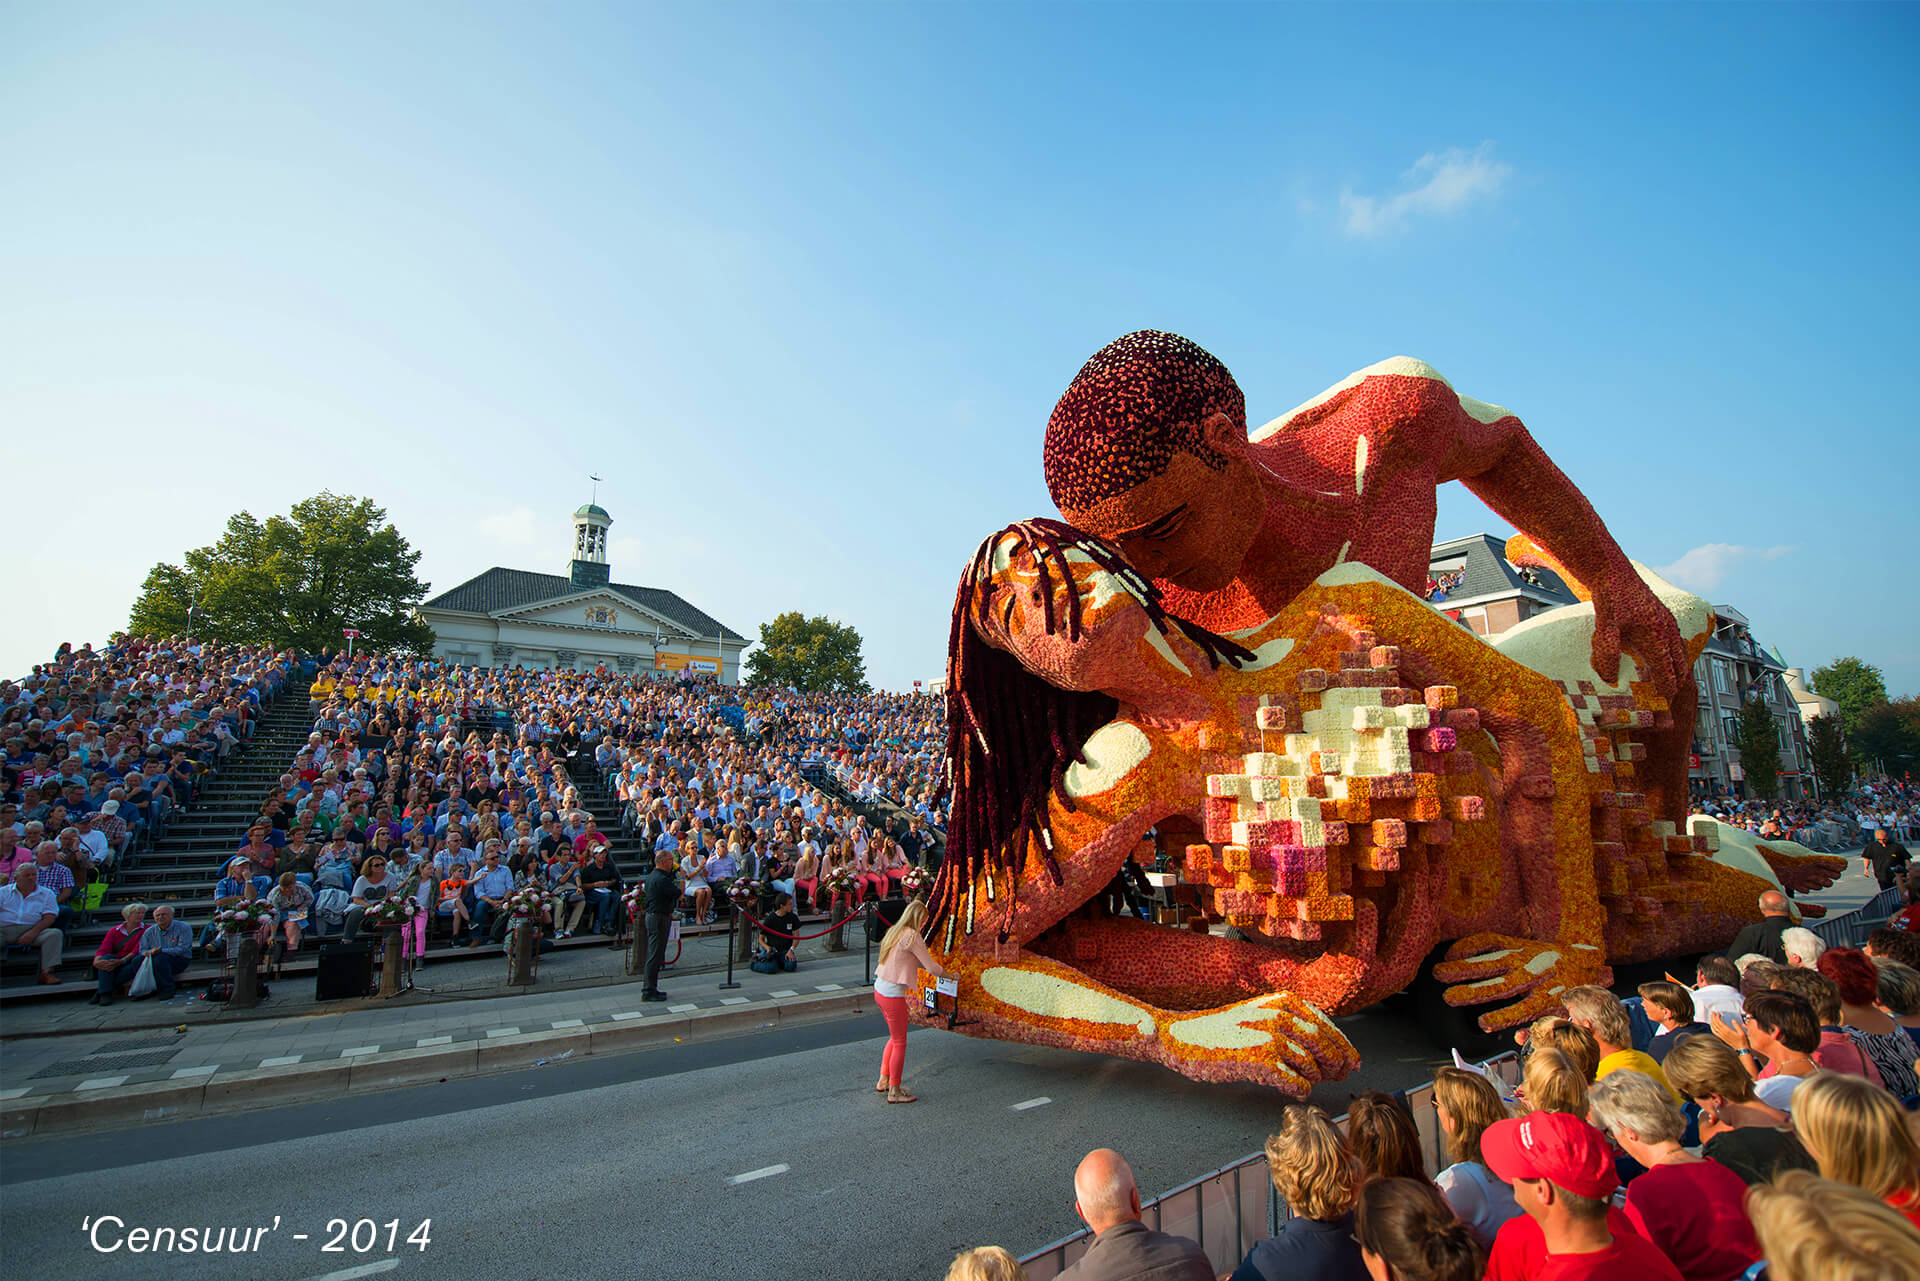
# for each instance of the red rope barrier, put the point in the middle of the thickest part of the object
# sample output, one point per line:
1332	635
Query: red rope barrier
799	938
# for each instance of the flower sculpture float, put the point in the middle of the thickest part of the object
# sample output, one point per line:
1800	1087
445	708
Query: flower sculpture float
1227	644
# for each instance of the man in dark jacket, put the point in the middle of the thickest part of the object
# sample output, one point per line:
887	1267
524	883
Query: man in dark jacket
663	900
1885	859
1763	936
1124	1248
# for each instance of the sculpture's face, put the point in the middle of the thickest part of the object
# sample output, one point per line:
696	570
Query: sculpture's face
1190	525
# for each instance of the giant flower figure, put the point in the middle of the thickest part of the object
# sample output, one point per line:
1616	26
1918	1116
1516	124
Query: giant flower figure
1361	781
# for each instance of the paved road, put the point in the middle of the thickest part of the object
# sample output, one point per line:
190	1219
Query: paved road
622	1166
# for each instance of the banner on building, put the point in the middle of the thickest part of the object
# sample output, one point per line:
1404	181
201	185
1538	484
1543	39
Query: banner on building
665	662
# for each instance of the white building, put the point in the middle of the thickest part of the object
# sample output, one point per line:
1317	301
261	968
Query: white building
578	620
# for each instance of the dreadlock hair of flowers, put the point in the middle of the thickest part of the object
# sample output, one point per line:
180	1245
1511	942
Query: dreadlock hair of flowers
1012	735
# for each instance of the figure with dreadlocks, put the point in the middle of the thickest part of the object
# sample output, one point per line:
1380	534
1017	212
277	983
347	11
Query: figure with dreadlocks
1178	675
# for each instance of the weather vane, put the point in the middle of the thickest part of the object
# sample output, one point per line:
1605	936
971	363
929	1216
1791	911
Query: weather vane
596	478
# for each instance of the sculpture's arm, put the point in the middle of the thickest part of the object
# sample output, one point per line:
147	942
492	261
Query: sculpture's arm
1491	451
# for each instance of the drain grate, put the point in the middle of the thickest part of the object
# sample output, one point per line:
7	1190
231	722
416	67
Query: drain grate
111	1063
138	1043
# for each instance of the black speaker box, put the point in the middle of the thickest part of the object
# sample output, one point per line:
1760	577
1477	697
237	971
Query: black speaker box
344	971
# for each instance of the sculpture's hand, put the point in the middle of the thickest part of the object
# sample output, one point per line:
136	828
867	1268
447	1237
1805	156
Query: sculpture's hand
1493	967
1277	1039
1627	615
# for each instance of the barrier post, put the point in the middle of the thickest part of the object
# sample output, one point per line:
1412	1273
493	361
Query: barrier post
733	921
869	933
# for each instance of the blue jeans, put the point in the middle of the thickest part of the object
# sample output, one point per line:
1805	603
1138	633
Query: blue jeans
604	901
105	981
167	968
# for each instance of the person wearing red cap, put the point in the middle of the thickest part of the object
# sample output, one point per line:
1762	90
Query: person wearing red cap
1562	1176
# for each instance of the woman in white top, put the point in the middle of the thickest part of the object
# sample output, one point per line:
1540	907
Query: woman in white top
1467	1104
903	954
694	868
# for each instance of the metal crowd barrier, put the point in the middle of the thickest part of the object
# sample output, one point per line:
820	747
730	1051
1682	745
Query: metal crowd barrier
1850	929
1229	1209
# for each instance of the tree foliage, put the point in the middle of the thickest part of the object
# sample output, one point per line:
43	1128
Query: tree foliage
813	655
1831	764
294	581
1853	683
1758	739
1889	736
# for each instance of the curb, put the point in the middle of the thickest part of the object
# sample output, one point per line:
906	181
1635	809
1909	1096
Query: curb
252	1089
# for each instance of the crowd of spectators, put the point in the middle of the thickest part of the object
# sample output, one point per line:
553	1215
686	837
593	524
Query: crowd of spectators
1756	1122
98	750
461	786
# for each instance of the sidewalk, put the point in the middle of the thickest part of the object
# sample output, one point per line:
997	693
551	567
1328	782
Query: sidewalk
64	1069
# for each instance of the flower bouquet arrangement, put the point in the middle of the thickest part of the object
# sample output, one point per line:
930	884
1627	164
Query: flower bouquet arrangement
243	917
841	881
916	881
745	890
526	903
636	901
395	909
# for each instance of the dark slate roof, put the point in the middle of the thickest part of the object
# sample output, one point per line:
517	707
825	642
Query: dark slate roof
499	589
1488	573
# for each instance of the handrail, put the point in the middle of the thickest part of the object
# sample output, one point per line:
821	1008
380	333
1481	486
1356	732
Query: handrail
1214	1209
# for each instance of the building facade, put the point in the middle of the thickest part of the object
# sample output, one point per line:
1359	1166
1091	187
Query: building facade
1471	581
578	620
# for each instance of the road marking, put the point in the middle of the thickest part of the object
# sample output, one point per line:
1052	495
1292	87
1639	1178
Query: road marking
827	987
100	1083
425	1041
358	1050
733	1000
628	1014
364	1270
569	1023
784	992
285	1060
503	1031
1040	1102
14	1093
681	1009
766	1172
208	1070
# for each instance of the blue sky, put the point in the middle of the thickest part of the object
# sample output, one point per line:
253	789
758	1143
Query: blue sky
804	281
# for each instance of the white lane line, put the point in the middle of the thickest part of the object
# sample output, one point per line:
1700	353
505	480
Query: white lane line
827	987
100	1083
353	1274
765	1172
681	1009
784	992
503	1031
733	1000
1040	1102
285	1060
358	1050
569	1023
628	1014
426	1041
208	1070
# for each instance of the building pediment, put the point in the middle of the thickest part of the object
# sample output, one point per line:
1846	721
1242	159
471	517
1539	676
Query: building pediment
596	608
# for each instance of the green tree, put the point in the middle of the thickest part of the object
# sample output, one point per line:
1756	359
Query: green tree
1853	683
1831	765
814	655
1889	736
1758	739
294	581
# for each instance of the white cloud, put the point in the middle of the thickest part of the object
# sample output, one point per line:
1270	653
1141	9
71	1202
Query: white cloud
516	528
1705	567
1440	182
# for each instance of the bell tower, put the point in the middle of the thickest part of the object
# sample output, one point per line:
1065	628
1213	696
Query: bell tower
589	567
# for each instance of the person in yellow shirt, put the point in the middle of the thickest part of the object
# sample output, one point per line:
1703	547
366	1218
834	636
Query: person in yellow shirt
1605	1018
